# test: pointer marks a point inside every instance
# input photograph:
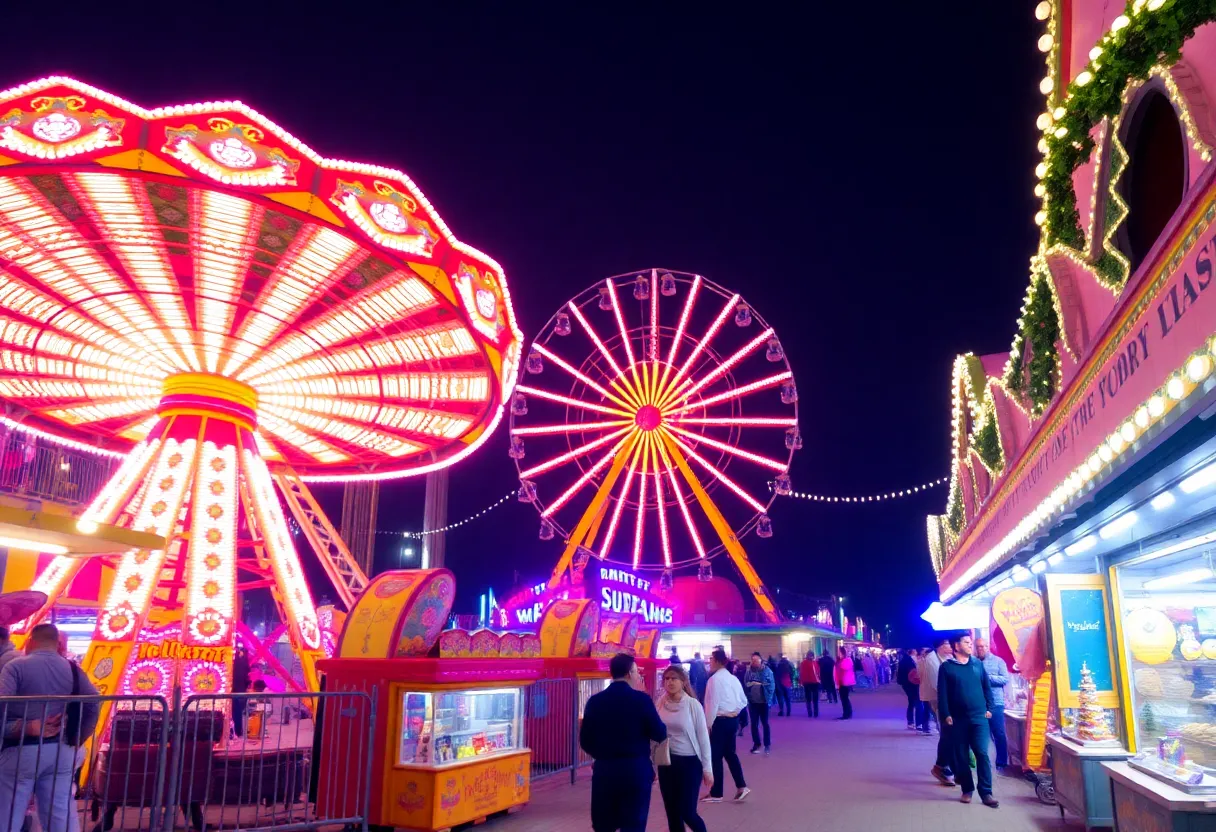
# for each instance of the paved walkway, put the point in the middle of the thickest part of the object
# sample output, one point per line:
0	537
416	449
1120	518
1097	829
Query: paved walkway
867	775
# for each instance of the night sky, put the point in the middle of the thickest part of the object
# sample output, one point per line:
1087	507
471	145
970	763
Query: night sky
862	173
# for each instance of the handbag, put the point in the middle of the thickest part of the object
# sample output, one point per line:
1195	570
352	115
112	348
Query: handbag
660	753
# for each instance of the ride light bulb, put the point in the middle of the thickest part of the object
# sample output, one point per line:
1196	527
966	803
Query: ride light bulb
774	352
546	530
561	324
764	526
641	289
667	285
793	439
789	393
519	405
743	315
535	365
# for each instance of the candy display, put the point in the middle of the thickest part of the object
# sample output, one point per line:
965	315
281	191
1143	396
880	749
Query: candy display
1092	725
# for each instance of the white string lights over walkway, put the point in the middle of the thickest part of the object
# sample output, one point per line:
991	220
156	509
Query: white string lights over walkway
870	498
458	523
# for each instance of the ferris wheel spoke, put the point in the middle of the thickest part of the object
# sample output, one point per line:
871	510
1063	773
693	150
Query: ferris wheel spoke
586	477
736	422
615	521
658	493
569	456
743	390
583	377
679	394
679	336
679	494
640	523
619	382
776	465
718	475
701	345
572	427
620	322
572	402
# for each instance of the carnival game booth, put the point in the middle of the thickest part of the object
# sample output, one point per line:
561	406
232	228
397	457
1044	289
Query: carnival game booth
449	747
1084	461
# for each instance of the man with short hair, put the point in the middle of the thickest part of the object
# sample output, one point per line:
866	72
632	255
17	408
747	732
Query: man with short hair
39	747
998	678
964	703
827	672
8	651
759	684
808	673
929	668
619	724
724	701
697	676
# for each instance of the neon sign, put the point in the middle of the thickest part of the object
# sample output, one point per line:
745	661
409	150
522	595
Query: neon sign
619	590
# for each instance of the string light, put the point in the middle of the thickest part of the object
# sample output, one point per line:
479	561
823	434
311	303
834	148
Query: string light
870	498
457	524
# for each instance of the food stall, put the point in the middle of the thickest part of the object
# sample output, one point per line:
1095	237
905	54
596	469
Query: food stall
450	744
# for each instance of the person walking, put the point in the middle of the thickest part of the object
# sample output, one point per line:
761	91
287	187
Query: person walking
40	742
943	765
846	679
904	671
964	703
738	669
784	678
688	752
759	685
998	678
827	673
619	724
724	701
868	670
808	672
697	676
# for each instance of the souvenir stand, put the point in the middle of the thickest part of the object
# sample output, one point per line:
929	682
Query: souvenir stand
449	745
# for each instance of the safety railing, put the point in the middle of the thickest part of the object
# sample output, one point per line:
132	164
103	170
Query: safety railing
551	720
158	766
40	469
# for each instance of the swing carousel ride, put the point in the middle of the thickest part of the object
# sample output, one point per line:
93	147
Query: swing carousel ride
197	291
649	404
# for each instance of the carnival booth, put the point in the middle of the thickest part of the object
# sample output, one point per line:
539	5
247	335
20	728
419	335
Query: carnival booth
449	747
1083	467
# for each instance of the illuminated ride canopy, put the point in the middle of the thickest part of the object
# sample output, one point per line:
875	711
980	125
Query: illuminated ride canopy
662	389
196	289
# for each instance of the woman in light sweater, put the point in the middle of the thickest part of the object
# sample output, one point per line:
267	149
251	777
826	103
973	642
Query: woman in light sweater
688	743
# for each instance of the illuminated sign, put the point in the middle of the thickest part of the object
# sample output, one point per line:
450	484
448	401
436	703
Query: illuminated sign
619	590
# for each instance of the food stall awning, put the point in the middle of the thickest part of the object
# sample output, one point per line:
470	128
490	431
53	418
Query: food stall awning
58	534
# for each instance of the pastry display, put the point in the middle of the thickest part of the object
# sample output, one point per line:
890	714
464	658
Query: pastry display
1150	635
1148	682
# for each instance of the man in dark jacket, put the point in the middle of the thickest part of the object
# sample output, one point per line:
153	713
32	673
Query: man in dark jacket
827	672
619	723
964	703
903	676
698	676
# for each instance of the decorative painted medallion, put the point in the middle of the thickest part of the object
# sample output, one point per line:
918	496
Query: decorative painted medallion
386	215
231	153
56	128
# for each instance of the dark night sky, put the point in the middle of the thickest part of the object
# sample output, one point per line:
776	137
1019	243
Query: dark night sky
862	173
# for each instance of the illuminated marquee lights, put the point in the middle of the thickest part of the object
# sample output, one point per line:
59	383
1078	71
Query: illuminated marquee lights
213	527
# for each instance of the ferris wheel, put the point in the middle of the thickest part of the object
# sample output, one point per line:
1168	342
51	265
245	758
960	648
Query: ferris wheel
655	426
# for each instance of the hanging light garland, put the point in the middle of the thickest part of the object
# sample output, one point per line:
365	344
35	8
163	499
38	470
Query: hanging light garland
871	498
457	524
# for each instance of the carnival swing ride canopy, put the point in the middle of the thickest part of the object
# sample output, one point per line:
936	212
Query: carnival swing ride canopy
195	289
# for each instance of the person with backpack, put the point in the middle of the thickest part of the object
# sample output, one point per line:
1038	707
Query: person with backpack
908	678
38	754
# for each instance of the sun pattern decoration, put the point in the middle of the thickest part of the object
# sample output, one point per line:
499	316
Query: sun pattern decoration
196	290
642	416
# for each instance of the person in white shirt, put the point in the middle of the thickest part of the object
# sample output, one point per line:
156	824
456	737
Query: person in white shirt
724	699
688	747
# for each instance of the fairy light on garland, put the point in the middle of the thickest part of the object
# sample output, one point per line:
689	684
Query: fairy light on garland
870	498
457	524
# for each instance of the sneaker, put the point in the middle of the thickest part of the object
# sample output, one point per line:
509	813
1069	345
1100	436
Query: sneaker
966	798
755	749
911	727
768	751
742	794
711	799
942	776
989	801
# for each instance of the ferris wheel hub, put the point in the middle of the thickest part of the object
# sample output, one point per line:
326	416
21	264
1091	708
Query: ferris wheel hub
648	417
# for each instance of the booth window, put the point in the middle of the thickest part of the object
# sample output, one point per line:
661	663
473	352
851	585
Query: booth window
1155	179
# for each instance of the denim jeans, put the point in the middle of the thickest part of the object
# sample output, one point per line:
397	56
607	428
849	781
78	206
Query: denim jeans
45	773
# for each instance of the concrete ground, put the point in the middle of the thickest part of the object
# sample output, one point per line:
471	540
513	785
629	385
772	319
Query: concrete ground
867	775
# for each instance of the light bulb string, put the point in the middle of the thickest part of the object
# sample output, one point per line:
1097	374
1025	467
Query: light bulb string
419	535
869	498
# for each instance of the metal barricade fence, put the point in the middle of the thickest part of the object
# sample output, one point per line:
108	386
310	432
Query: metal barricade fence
551	726
58	767
268	776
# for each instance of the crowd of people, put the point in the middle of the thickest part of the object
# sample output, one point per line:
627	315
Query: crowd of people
689	733
956	692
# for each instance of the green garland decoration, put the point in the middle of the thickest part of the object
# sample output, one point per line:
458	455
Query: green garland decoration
1040	327
987	442
954	509
1150	38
